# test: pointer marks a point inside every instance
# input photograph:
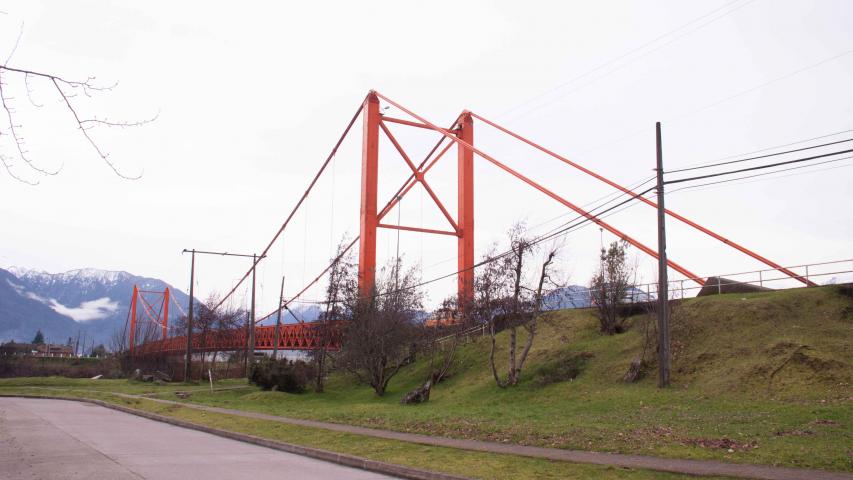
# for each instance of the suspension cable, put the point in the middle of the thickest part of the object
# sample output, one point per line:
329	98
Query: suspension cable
295	208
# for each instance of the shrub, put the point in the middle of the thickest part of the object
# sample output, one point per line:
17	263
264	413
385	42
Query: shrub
561	370
281	375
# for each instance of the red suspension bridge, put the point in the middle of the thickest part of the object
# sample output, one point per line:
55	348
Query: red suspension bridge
375	125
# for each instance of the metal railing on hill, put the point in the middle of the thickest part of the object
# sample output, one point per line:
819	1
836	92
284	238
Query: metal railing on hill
822	273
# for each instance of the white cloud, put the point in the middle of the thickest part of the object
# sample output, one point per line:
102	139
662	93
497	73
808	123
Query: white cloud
91	310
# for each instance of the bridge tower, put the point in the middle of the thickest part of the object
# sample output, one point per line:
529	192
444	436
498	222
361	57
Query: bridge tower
462	226
159	318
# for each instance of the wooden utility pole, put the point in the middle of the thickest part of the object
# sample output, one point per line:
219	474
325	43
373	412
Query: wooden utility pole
246	346
188	360
255	259
663	284
278	321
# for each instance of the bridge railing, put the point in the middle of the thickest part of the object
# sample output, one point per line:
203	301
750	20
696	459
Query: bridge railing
299	336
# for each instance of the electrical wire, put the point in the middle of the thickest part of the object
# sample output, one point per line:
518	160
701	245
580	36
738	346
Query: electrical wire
623	56
535	241
760	167
763	174
774	147
811	147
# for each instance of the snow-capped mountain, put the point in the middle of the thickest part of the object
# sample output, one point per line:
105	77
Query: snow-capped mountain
95	302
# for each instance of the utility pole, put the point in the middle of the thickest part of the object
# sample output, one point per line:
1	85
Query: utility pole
663	284
278	321
246	346
255	259
252	319
188	360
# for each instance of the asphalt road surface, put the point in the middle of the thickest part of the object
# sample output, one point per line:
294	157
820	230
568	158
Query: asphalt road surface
47	439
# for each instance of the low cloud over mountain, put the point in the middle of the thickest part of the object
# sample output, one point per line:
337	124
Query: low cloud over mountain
90	301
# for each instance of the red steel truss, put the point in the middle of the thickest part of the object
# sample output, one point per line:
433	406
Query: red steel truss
159	318
296	336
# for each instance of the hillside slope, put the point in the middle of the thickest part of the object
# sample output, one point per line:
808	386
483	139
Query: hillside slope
759	378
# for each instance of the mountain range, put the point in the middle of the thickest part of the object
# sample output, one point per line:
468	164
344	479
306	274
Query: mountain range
91	302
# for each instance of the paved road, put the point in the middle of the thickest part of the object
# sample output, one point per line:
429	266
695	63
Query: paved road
47	439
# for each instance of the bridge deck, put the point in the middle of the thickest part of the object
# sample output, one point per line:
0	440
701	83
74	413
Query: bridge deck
299	336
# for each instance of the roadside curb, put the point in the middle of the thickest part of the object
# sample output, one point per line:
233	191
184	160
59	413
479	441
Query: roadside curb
325	455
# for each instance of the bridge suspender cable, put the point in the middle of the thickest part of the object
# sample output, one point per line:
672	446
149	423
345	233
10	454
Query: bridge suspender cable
295	208
407	185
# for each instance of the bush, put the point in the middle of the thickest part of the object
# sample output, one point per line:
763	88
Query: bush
70	367
561	370
280	375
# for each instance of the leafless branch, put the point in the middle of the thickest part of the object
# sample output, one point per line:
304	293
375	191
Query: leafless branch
88	137
66	90
8	167
18	139
29	91
17	41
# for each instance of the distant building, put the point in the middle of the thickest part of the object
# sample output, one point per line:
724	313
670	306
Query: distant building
50	350
41	350
13	348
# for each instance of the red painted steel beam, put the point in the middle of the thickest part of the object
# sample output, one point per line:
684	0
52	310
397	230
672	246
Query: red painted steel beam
465	212
419	176
416	229
386	118
412	181
369	184
166	294
132	334
589	216
649	202
149	310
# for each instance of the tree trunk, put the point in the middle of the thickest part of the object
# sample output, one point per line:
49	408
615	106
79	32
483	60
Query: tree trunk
511	371
492	357
320	360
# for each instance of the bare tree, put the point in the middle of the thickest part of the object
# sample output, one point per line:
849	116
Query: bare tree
508	303
440	337
610	286
210	327
341	280
381	326
69	94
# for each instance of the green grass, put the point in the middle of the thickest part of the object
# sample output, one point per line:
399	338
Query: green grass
439	459
726	350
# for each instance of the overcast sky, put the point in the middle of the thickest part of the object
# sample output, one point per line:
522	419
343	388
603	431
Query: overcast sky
251	97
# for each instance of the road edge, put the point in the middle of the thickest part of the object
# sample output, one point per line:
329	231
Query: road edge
319	454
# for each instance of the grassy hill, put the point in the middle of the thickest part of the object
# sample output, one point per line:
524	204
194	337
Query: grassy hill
757	378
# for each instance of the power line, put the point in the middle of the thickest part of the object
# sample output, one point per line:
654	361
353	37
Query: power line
690	113
760	156
615	195
625	55
765	174
774	147
536	241
760	167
